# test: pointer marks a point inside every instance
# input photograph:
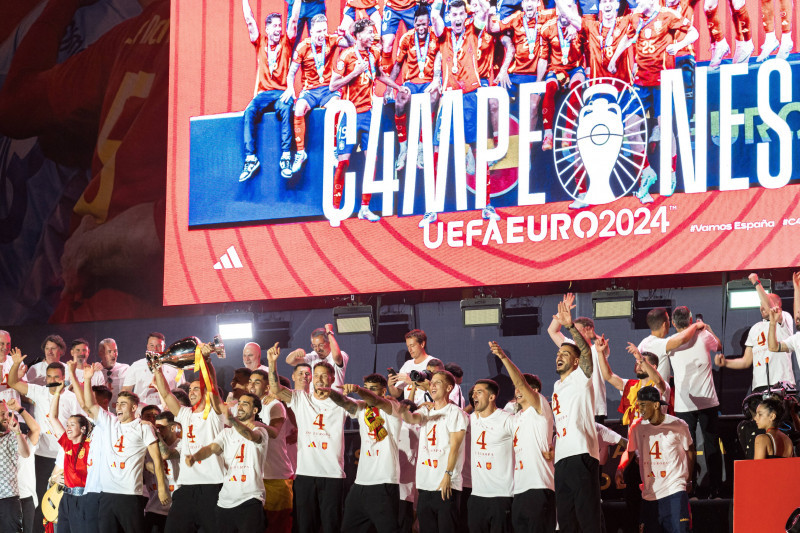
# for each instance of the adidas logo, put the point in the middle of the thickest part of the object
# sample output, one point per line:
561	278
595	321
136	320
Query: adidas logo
230	259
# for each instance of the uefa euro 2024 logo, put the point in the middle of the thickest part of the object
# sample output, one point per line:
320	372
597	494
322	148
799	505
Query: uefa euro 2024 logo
599	156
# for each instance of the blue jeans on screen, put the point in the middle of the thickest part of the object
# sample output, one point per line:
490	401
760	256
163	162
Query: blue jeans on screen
262	103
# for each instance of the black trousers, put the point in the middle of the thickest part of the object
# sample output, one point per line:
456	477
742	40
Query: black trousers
406	516
319	504
708	420
44	467
435	514
247	517
91	512
153	522
71	517
534	511
28	512
10	515
193	507
372	506
121	512
578	494
489	515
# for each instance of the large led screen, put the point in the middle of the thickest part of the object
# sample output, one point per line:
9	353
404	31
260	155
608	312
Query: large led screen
576	166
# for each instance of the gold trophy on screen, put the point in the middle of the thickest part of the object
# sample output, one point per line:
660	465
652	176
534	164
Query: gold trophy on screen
183	353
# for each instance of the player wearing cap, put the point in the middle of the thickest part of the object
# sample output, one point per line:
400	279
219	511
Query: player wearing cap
577	476
314	58
441	456
491	461
194	503
243	446
666	462
757	352
374	499
533	508
354	76
120	501
319	482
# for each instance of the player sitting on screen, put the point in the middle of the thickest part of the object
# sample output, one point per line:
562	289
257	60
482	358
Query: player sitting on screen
315	57
274	51
417	51
355	74
652	33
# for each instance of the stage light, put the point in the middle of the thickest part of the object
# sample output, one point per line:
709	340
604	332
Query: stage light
478	312
353	319
743	295
520	320
235	325
613	304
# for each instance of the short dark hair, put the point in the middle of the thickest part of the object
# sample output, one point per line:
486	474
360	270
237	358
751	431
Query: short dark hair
421	11
585	321
101	391
491	384
57	365
410	403
651	358
283	380
418	334
243	371
573	348
454	369
272	16
150	408
261	373
448	377
78	342
165	415
533	380
184	387
320	17
376	378
361	25
299	365
458	3
157	335
327	366
436	363
656	318
55	339
256	402
182	397
774	405
681	317
131	396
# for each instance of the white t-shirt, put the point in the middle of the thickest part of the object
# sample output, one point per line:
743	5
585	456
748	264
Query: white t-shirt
663	463
320	435
125	457
492	454
113	380
694	382
277	464
466	472
171	468
658	346
408	446
665	396
605	440
142	380
196	434
6	392
407	367
574	416
37	374
339	371
793	343
26	475
379	461
98	378
598	383
99	448
244	474
434	446
67	406
533	435
780	363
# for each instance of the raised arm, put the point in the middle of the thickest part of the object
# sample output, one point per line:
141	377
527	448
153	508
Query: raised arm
652	372
530	395
164	391
601	344
564	318
295	357
407	416
88	395
275	387
203	453
437	23
216	400
554	329
740	363
351	406
243	430
772	342
336	352
34	429
76	389
684	336
13	374
52	417
370	398
22	443
566	9
250	20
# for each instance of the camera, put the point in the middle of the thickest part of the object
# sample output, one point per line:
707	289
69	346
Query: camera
419	376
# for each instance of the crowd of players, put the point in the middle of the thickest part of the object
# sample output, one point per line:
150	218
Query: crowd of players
138	449
464	46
